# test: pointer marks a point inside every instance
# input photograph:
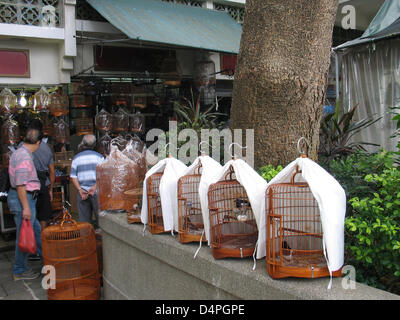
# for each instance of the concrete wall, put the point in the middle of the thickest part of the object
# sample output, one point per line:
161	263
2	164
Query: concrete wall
158	267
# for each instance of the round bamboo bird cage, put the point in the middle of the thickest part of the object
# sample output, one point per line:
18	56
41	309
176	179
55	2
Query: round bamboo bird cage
190	218
71	248
233	227
155	217
294	230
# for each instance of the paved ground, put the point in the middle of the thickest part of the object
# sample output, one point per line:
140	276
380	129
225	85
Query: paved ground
23	289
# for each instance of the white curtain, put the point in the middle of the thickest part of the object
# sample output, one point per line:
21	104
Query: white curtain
370	77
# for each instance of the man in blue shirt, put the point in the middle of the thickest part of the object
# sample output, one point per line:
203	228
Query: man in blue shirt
83	176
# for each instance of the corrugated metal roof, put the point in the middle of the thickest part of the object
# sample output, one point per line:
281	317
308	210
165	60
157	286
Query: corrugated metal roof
171	23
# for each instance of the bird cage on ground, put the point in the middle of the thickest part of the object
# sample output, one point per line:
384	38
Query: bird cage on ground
136	194
191	219
71	248
234	210
159	201
305	210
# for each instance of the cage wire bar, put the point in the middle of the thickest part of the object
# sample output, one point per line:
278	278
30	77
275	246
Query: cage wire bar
190	218
294	232
233	227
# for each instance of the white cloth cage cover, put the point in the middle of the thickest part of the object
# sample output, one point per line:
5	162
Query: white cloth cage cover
210	168
173	170
252	182
331	199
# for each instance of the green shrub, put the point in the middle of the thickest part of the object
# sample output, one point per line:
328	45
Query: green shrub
268	172
351	171
373	233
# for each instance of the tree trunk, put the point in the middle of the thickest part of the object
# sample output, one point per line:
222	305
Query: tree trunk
281	76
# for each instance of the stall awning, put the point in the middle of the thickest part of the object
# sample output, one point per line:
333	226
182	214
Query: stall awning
174	24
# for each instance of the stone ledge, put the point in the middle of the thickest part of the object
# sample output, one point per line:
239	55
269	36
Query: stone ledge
160	267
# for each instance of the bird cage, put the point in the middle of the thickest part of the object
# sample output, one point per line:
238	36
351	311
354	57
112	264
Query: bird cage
120	121
47	123
81	101
294	231
41	100
116	175
190	218
155	217
70	247
233	228
63	159
10	132
8	102
84	126
104	121
136	122
104	145
61	131
136	195
59	104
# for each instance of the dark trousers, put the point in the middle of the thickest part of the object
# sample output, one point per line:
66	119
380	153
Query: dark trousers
87	207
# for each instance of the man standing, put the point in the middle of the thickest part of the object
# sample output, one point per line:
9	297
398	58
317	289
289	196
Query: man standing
21	199
83	176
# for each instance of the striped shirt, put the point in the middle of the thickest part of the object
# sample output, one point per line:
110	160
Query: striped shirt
22	170
83	168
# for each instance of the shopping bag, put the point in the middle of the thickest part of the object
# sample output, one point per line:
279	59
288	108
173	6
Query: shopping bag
27	241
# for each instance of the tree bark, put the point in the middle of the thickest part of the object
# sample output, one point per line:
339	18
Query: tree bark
281	75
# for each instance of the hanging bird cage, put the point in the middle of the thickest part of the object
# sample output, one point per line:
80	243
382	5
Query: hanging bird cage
120	121
137	122
71	248
8	102
47	123
59	104
171	71
190	218
233	228
84	126
294	232
10	132
41	100
155	217
61	132
104	121
104	145
81	101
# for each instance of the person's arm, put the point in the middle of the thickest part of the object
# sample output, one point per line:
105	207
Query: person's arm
84	194
23	198
92	189
52	178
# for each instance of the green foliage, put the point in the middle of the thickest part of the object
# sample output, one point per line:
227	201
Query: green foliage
268	172
190	114
373	232
350	172
337	131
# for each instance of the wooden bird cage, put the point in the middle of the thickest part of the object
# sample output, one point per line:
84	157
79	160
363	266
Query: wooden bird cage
155	217
71	248
233	227
59	104
190	218
294	232
84	126
10	133
134	216
81	101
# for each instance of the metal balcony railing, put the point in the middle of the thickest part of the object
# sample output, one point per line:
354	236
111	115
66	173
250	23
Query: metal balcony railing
32	12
